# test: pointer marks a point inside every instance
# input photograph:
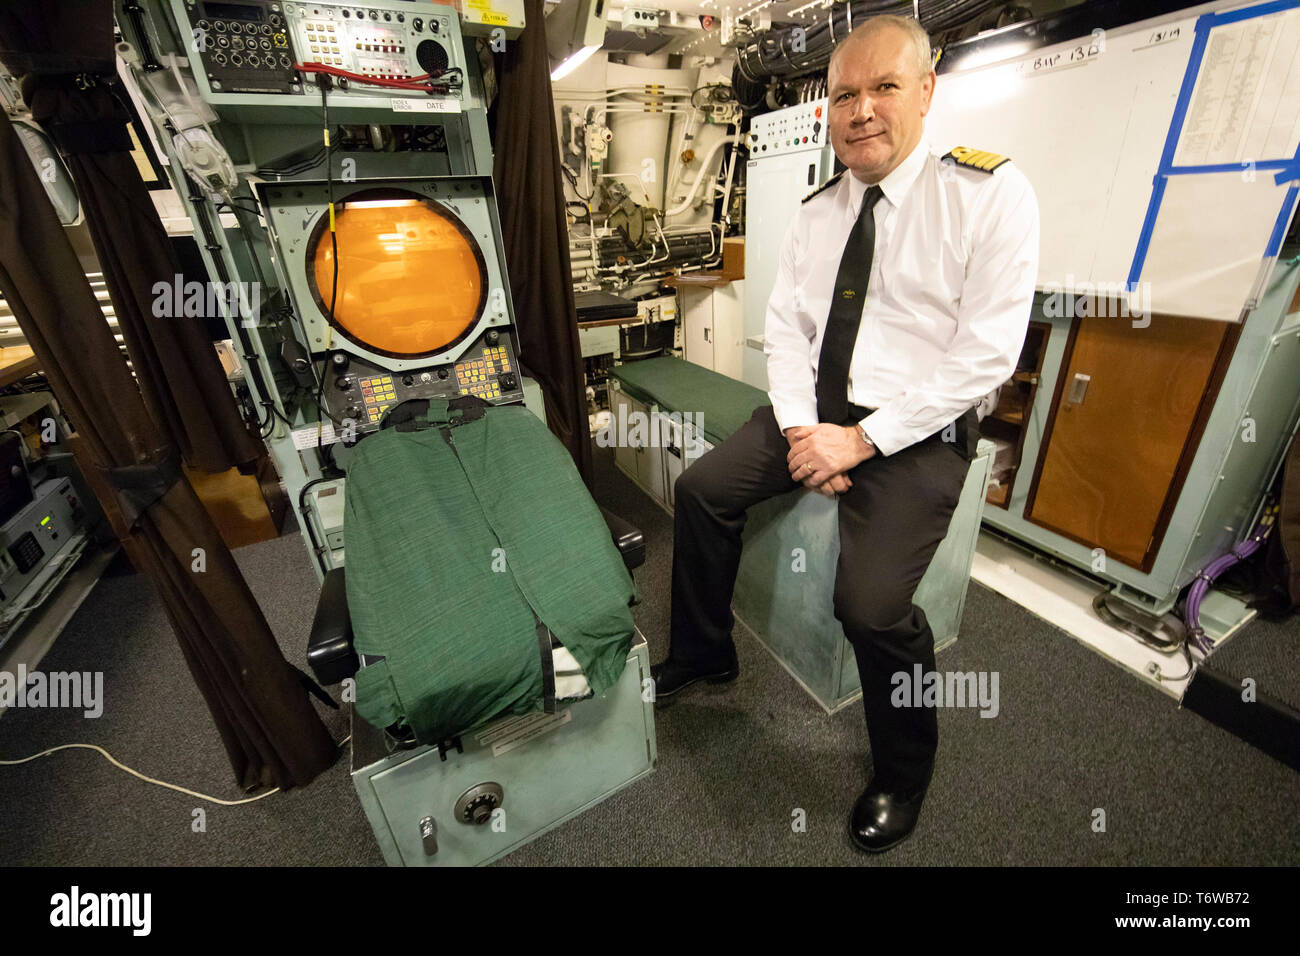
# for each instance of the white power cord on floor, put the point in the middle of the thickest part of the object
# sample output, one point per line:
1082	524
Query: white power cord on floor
135	773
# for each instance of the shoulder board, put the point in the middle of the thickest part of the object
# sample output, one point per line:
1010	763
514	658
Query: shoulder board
824	186
979	159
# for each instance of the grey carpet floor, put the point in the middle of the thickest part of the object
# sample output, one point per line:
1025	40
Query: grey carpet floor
1075	734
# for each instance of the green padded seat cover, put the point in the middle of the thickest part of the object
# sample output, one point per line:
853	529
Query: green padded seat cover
456	535
680	386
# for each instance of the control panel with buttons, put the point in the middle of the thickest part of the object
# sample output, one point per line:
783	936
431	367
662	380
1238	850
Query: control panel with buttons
790	130
387	44
254	46
482	374
54	520
244	47
363	394
26	552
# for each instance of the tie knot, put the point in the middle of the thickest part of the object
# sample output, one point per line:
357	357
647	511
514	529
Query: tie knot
873	196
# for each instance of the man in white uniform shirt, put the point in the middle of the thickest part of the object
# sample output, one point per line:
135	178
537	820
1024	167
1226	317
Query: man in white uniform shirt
901	303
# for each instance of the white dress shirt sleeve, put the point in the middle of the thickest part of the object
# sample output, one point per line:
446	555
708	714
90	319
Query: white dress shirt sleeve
788	341
992	318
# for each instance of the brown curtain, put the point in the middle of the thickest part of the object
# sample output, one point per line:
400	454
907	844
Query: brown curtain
258	701
536	238
57	48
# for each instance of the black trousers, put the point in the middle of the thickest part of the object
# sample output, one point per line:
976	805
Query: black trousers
890	522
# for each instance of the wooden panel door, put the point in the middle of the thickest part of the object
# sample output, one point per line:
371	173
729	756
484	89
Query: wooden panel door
1126	412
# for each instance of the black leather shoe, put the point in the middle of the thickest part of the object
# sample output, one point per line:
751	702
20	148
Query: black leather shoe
881	820
671	677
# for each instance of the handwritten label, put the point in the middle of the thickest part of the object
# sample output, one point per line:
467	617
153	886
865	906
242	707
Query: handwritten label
1062	58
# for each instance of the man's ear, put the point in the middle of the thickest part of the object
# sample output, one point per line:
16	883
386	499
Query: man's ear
927	91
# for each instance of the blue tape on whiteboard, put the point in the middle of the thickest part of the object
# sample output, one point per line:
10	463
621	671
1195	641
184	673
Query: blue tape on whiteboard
1288	169
1250	13
1144	237
1201	32
1289	172
1280	164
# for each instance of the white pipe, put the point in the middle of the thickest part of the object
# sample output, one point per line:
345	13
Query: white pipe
689	131
704	168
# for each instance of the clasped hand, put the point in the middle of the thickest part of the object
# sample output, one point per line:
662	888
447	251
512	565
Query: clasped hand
821	456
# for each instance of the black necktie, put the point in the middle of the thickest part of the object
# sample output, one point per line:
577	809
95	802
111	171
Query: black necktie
846	314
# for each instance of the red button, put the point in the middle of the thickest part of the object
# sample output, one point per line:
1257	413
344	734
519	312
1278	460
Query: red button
818	112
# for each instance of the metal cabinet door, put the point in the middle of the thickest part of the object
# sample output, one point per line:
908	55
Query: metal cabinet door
622	405
594	748
1127	415
674	455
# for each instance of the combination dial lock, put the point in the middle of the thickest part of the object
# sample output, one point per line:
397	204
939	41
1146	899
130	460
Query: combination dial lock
476	804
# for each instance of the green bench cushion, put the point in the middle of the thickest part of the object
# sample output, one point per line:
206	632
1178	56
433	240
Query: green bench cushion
676	385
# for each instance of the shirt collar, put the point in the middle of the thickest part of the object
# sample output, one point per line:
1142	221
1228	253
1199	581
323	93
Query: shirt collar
896	184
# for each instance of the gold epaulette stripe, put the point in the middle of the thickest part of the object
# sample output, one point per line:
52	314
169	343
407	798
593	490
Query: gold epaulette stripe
979	159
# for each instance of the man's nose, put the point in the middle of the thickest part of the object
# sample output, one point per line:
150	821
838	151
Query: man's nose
865	110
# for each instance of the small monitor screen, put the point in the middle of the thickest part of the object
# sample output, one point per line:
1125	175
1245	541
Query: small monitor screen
231	11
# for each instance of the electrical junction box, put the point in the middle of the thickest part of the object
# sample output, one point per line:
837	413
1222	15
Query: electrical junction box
479	18
660	309
791	130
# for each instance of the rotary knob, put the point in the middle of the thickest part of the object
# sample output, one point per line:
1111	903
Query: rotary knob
480	809
476	804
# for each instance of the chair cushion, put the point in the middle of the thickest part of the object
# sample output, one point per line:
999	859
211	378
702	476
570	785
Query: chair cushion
456	537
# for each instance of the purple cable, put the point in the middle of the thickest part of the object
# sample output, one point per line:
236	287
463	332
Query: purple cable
1205	578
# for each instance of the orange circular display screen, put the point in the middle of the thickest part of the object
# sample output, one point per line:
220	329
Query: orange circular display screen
411	279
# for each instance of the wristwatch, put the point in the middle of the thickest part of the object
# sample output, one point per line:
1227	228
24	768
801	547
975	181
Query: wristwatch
866	438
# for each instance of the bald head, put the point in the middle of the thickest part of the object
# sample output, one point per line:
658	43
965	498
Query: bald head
879	81
911	29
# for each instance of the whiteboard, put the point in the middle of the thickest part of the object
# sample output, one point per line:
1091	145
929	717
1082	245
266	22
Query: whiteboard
1163	153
